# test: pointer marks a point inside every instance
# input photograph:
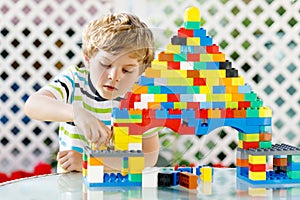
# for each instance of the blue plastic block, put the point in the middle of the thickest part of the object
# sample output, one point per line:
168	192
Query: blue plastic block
146	81
206	41
185	169
244	89
166	90
265	129
219	89
241	125
120	114
218	104
186	97
188	113
161	114
253	121
186	49
213	65
178	89
205	105
200	32
167	105
293	166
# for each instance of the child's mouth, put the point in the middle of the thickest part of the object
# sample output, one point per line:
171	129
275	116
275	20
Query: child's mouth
110	88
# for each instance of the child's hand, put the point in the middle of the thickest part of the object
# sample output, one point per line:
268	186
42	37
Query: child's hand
70	160
94	130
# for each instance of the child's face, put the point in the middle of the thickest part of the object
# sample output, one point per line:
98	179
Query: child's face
113	76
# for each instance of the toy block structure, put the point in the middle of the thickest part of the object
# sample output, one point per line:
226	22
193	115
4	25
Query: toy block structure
193	89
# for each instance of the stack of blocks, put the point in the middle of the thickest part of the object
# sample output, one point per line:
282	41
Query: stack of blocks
192	89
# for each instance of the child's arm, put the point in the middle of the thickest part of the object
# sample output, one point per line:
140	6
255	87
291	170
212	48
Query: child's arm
151	149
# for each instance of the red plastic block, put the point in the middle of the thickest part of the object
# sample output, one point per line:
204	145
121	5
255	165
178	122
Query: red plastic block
173	97
193	105
182	32
199	81
257	167
248	145
229	113
173	65
175	111
243	104
193	57
212	49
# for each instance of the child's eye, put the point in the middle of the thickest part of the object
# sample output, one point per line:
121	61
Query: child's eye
127	71
105	65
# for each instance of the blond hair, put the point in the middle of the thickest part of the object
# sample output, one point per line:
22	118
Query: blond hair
119	33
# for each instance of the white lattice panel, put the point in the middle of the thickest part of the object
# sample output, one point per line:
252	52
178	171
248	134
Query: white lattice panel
39	37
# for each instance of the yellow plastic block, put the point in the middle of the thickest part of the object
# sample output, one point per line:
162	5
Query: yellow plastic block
206	58
265	112
135	139
193	41
205	90
153	73
180	105
256	176
130	120
219	97
136	165
121	146
120	134
206	174
92	161
172	48
212	81
250	137
173	73
84	172
214	113
240	143
192	14
220	57
137	89
180	81
238	81
232	104
257	159
160	97
257	192
212	74
155	64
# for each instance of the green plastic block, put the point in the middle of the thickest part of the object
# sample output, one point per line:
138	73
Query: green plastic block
199	65
192	25
250	96
154	89
180	57
256	104
265	144
84	157
294	158
240	136
135	116
252	112
193	90
293	174
135	177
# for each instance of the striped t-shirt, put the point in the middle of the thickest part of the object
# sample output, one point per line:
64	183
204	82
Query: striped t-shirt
73	86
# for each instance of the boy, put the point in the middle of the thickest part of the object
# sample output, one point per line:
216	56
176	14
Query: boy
117	49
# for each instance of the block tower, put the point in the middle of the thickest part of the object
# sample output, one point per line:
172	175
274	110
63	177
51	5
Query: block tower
192	89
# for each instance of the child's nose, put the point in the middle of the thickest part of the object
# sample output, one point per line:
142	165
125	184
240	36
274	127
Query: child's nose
114	74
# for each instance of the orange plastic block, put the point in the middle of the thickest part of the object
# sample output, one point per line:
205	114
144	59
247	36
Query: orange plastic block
92	161
237	113
242	162
188	180
192	73
220	57
226	82
140	89
214	113
231	89
280	162
237	97
265	136
154	105
165	57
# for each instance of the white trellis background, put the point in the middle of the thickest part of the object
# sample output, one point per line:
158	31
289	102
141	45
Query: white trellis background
38	38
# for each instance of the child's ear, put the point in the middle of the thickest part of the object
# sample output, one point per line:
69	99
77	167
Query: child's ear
87	60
